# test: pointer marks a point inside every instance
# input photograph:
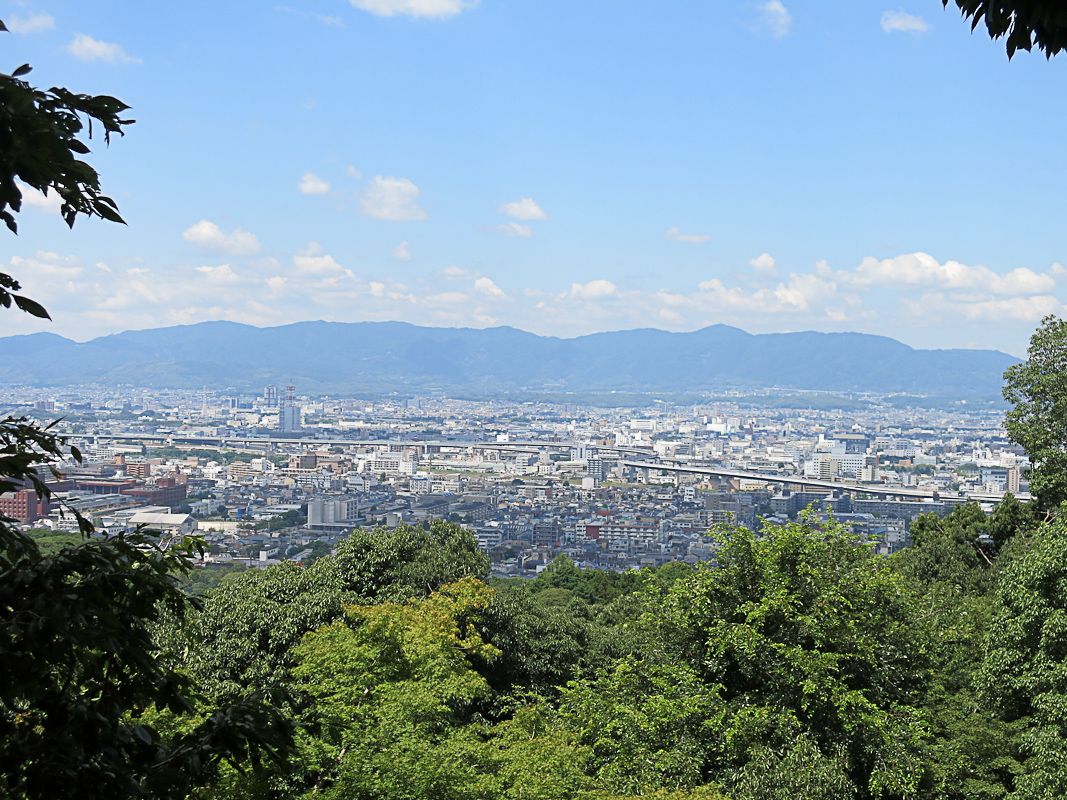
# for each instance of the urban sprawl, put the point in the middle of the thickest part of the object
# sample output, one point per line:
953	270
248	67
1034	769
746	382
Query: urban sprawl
280	476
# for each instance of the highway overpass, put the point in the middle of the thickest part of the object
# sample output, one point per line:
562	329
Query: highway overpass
800	480
537	446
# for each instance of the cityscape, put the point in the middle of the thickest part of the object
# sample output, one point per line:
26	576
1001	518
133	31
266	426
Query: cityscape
282	476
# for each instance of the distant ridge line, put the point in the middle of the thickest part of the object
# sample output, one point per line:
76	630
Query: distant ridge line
375	357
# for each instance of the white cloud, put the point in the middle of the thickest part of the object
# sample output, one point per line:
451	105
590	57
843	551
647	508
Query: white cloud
921	269
352	172
801	293
311	260
903	22
447	298
401	252
524	208
35	24
39	201
936	306
514	230
50	265
86	48
313	184
90	301
594	290
776	18
454	273
392	199
927	303
486	286
220	274
435	9
675	235
764	265
209	236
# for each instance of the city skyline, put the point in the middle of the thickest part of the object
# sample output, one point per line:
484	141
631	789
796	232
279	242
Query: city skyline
835	167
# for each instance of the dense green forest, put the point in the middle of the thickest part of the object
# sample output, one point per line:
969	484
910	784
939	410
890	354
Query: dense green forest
798	665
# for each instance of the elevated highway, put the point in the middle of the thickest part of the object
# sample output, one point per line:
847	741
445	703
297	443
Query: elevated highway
232	441
641	458
815	483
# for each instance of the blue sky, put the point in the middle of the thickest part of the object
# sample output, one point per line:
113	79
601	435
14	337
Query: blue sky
561	168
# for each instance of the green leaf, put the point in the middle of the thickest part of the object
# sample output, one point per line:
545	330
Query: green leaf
104	207
31	306
42	131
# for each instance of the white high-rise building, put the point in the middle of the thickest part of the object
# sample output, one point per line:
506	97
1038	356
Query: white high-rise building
289	412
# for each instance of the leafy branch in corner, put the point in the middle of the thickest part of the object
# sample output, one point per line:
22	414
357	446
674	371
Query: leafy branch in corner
1025	23
40	148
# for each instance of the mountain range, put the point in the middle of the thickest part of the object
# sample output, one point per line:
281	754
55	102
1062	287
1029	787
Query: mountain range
374	357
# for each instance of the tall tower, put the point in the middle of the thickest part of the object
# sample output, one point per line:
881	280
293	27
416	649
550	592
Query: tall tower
270	396
289	412
1014	479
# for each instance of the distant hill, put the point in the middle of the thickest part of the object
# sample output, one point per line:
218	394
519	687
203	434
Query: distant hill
373	357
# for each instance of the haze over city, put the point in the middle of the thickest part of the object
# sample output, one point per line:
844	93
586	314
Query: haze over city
563	169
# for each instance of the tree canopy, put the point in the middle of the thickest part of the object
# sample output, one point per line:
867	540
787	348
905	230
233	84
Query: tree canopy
1024	24
800	663
1037	389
